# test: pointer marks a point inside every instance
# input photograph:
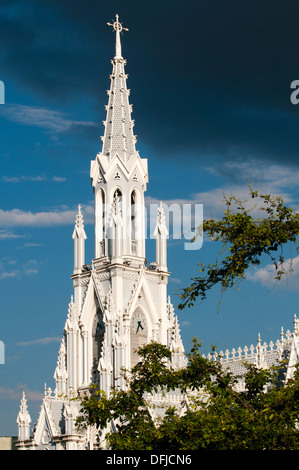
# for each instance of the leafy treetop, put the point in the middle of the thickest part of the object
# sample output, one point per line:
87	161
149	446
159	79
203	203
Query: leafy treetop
244	240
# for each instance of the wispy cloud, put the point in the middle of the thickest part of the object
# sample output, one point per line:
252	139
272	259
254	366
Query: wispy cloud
185	323
52	339
9	274
59	179
174	280
268	178
19	179
31	245
24	179
16	393
18	273
9	271
258	171
51	120
7	235
272	179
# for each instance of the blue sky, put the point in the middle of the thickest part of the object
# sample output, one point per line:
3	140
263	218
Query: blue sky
210	88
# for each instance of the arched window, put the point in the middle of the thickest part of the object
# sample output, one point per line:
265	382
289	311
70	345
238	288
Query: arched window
118	194
98	330
100	222
133	215
103	213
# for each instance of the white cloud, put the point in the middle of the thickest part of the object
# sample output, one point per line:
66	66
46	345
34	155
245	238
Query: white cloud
30	271
174	280
20	179
16	394
18	273
264	177
277	180
256	170
30	245
185	323
59	179
54	121
9	274
29	268
7	235
267	179
64	216
24	179
17	217
51	339
184	222
266	275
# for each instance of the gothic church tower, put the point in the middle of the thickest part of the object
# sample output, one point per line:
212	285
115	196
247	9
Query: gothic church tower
119	303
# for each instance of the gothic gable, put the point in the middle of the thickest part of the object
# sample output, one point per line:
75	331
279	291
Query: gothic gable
293	358
50	424
93	300
141	296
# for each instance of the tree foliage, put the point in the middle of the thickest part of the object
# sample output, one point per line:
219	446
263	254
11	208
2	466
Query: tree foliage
217	416
244	239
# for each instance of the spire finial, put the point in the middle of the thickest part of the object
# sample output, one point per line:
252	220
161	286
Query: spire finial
118	27
79	219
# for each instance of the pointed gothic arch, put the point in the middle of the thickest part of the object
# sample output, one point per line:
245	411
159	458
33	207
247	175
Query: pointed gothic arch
100	222
117	191
98	329
115	237
133	208
139	333
135	228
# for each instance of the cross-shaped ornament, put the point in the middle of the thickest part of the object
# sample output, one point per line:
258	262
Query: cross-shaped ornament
118	27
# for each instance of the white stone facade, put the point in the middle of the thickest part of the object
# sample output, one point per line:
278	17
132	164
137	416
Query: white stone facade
119	303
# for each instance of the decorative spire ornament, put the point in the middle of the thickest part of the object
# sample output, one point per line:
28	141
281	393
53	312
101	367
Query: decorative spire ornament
79	237
118	28
23	420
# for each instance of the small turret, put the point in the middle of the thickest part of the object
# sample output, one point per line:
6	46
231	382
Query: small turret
60	374
79	238
161	234
23	420
71	330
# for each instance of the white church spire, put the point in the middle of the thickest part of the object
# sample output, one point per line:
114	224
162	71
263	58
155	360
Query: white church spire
118	137
60	374
118	168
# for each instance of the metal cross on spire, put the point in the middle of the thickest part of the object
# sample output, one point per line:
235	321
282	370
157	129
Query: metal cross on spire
118	28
